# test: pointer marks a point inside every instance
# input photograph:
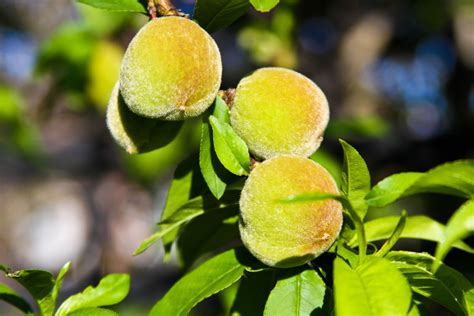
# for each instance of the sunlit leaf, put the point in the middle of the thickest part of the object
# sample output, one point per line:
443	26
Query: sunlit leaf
416	227
375	287
447	286
396	233
112	289
264	5
355	179
298	293
459	226
118	5
209	278
454	178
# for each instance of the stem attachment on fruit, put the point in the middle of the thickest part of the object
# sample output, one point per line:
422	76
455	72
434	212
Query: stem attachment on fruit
228	96
166	8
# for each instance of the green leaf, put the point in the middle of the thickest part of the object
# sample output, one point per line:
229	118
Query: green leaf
355	179
298	293
118	5
459	226
208	163
417	227
13	298
209	278
264	5
375	287
38	282
112	289
183	187
221	110
253	292
446	287
396	233
206	233
93	311
190	210
231	150
214	15
454	178
47	305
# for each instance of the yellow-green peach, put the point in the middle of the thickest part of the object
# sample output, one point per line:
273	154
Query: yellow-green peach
134	133
279	111
282	234
171	70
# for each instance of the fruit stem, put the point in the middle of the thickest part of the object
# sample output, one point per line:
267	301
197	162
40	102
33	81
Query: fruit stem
228	96
167	8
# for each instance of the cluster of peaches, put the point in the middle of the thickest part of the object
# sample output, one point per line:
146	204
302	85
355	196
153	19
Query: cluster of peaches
172	71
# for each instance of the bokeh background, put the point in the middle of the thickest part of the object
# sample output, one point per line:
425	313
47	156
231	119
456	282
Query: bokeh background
399	77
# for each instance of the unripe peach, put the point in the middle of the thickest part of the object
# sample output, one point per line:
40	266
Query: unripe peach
288	234
134	133
171	70
279	111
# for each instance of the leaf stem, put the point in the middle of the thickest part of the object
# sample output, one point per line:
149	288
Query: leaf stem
359	226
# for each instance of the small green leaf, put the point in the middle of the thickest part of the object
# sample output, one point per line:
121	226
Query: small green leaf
93	311
375	287
416	227
208	163
118	5
221	110
264	5
392	240
208	279
459	226
231	150
446	287
112	289
454	178
59	281
253	292
188	211
13	298
214	15
355	179
298	293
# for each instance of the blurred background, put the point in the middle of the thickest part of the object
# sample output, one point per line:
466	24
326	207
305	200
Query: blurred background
399	77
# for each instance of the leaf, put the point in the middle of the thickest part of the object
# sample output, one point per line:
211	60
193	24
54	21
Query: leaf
190	210
253	292
118	5
446	287
355	179
417	227
209	278
47	305
375	287
459	226
93	311
206	233
13	298
38	282
264	5
112	289
183	187
221	110
231	150
392	240
453	178
298	293
208	164
214	15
